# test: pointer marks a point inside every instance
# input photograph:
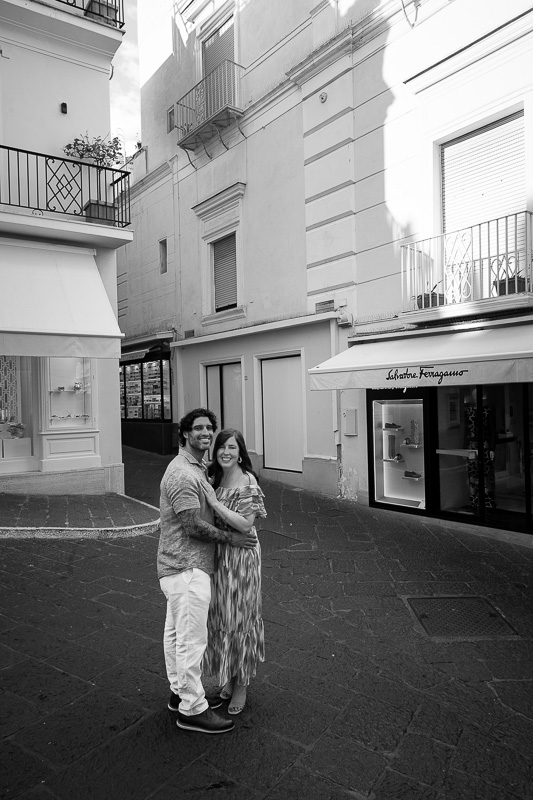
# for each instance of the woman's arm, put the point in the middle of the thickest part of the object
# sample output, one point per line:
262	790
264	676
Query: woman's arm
232	518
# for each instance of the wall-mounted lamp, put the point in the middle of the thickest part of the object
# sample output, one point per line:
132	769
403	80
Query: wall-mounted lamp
63	108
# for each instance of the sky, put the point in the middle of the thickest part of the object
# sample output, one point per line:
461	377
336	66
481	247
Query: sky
124	86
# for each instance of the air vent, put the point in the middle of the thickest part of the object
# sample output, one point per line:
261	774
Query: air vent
325	305
189	334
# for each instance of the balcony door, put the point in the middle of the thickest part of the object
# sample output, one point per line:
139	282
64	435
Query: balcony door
483	204
217	51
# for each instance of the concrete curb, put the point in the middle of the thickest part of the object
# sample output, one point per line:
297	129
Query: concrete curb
121	532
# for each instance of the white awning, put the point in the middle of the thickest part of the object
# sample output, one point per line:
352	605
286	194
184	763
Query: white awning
495	355
53	303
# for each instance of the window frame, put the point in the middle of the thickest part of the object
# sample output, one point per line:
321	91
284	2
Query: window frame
220	216
163	256
171	118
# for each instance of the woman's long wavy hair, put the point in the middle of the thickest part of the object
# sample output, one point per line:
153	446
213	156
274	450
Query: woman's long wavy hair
214	469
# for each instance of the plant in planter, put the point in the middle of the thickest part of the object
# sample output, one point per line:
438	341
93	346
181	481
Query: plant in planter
431	298
98	150
104	154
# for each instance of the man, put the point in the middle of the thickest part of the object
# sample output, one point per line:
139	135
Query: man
185	561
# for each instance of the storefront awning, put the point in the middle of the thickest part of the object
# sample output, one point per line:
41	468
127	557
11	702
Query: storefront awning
496	355
53	303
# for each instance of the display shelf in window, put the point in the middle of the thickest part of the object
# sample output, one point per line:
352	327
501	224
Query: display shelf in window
69	392
146	387
398	452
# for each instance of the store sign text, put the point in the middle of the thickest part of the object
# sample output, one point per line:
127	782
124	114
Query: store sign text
424	374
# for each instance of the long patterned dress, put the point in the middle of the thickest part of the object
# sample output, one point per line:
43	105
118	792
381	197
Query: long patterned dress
236	640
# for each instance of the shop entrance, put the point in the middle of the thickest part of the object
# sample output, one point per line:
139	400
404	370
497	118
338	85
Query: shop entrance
461	452
483	451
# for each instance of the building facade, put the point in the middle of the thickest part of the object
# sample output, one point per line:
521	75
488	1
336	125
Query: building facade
61	222
333	202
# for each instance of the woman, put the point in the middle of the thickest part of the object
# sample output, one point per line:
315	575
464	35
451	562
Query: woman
235	626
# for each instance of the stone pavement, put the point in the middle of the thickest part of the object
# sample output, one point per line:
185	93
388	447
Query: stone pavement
355	700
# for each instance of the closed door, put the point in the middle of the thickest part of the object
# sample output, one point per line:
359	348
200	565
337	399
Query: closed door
282	413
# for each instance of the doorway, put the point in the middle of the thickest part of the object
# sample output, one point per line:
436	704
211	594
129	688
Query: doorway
282	395
483	453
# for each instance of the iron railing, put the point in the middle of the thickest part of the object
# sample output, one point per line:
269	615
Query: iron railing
219	91
109	11
478	263
57	185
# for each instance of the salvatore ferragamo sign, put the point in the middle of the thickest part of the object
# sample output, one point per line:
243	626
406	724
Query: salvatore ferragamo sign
429	375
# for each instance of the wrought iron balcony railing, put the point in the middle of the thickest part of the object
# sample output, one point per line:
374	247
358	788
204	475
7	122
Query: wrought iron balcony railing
210	105
109	11
484	261
75	189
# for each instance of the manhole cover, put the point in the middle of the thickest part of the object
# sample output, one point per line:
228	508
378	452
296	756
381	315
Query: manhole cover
459	616
270	541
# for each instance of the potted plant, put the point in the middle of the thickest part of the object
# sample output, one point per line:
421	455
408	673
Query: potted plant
99	150
431	298
512	284
103	153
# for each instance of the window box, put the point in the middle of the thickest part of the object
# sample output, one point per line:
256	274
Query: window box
513	285
100	212
430	300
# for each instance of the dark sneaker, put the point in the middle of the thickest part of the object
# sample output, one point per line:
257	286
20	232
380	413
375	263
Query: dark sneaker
206	722
174	702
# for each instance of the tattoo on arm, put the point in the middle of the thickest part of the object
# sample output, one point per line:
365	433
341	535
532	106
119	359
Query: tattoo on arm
197	528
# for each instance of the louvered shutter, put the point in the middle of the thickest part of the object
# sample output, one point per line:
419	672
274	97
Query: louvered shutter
218	48
483	174
225	272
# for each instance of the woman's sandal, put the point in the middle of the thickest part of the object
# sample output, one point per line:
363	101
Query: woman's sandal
227	691
238	700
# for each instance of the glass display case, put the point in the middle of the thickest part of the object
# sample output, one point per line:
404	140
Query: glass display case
69	392
399	452
133	391
145	390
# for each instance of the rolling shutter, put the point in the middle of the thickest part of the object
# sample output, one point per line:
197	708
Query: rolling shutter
483	174
218	48
225	272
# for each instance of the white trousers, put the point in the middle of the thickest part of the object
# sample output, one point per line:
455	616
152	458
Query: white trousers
188	596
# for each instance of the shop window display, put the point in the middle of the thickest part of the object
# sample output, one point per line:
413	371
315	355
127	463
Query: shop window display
15	410
145	390
399	452
69	391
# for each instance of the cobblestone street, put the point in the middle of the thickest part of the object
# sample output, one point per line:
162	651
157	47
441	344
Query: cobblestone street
355	698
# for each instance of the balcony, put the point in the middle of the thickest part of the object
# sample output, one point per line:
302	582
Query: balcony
76	190
210	106
109	11
486	262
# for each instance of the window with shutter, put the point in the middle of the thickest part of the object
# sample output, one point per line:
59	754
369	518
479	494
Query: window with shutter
225	272
483	174
483	197
218	48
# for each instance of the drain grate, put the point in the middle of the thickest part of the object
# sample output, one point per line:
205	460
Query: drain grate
459	617
271	541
